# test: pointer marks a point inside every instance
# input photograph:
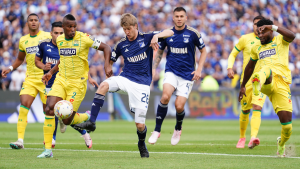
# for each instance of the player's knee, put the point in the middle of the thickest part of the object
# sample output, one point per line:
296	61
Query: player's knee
179	108
140	126
104	87
165	99
256	107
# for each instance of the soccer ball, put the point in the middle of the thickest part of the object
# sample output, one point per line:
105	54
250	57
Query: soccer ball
63	109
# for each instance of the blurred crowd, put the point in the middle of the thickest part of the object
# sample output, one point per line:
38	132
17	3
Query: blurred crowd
220	22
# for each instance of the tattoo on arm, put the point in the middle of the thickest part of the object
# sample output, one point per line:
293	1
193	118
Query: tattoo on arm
157	58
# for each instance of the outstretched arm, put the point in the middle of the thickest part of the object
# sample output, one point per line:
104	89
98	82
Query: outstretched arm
164	34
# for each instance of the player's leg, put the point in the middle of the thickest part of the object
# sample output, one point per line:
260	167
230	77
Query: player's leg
26	101
285	118
140	117
264	76
109	84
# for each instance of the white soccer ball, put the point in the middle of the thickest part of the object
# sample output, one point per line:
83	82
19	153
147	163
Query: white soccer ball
63	109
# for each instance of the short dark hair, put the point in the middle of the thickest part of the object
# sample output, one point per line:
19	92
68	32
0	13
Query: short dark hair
258	17
69	17
56	24
263	22
32	14
178	9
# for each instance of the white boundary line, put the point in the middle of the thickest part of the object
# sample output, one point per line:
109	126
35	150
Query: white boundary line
186	153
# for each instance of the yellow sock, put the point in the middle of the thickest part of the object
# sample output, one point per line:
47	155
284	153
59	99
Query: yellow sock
79	118
49	127
264	74
286	132
244	119
255	122
22	121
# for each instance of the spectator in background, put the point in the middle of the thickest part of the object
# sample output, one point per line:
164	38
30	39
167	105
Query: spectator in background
4	65
17	78
296	78
218	75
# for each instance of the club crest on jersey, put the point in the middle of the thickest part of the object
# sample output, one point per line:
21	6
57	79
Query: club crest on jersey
32	50
76	43
142	44
186	40
267	53
67	51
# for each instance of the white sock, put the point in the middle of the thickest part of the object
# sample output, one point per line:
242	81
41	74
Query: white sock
21	140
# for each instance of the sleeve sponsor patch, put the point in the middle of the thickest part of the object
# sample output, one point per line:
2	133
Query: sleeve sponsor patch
96	43
91	37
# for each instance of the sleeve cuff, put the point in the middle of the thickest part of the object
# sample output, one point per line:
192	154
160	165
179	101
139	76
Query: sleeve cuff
286	40
237	48
21	50
253	59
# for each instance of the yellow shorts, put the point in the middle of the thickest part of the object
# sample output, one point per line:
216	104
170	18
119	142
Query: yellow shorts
279	93
34	86
71	91
251	99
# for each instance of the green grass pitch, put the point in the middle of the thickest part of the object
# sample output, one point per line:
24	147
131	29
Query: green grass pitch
203	144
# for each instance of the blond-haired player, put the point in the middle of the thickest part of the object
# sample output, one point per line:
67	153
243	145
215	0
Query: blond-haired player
274	76
28	47
250	101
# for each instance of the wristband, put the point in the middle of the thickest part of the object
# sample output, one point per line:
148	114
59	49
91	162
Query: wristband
274	28
11	68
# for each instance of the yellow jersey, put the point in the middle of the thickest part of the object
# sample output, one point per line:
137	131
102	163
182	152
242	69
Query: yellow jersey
274	55
246	42
29	45
73	54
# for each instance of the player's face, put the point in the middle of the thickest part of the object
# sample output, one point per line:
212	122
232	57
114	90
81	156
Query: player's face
131	32
255	26
265	36
69	28
33	22
56	32
179	18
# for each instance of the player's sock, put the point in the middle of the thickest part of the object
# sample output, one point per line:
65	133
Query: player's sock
79	118
179	119
82	132
286	132
244	119
22	121
255	122
142	135
264	74
54	133
162	110
96	106
49	127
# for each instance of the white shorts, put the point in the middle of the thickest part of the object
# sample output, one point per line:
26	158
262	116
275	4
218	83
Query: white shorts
138	95
183	87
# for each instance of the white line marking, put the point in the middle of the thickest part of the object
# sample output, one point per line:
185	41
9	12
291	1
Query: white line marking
114	151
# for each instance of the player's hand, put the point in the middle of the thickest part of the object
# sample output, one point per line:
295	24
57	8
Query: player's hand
242	93
5	72
267	27
230	73
47	66
93	82
46	78
197	75
154	43
108	71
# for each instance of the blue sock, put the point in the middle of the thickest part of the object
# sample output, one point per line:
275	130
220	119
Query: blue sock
179	119
142	135
96	106
162	110
54	133
82	132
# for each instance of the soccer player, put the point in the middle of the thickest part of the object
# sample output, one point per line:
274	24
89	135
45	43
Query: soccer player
48	53
274	76
28	47
250	101
135	78
180	71
70	82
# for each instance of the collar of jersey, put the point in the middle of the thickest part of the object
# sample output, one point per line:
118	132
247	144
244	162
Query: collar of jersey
68	39
176	31
35	35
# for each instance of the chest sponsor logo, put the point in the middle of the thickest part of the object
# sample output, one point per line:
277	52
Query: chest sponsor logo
68	51
186	40
267	53
178	50
186	35
53	61
142	44
137	58
49	46
125	46
140	40
32	50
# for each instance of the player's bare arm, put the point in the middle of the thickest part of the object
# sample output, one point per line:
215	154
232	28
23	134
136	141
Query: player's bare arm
41	65
197	73
92	81
248	73
157	60
16	64
48	75
287	34
107	54
164	34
